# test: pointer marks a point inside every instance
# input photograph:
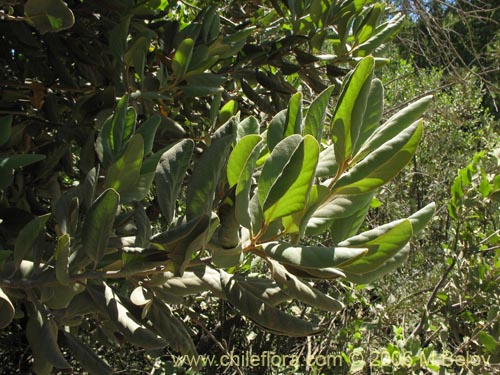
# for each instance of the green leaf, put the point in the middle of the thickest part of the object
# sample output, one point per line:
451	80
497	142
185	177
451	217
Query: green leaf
488	342
388	266
121	127
240	170
263	313
123	175
136	55
276	129
294	115
118	37
27	238
336	207
171	329
350	109
206	175
301	291
240	164
315	118
42	337
327	165
116	131
264	289
181	242
41	365
379	36
227	111
381	165
98	224
287	176
62	259
5	129
143	234
196	280
312	256
370	23
113	308
49	15
394	126
182	58
90	361
249	125
373	113
383	243
169	176
420	218
148	130
18	161
346	227
6	310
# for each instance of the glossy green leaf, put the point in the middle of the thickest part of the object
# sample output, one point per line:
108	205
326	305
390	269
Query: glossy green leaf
314	121
206	175
5	129
148	130
313	256
287	176
383	243
6	310
301	291
27	238
123	175
49	15
382	164
111	305
182	58
349	112
263	313
294	115
90	361
170	174
98	224
62	259
394	126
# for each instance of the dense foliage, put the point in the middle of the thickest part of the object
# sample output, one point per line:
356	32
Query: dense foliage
167	167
